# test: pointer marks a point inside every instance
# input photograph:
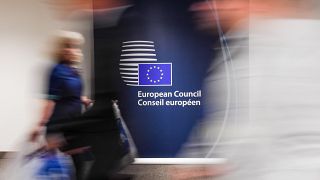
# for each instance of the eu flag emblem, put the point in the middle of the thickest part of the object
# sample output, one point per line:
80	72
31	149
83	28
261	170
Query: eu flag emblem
155	74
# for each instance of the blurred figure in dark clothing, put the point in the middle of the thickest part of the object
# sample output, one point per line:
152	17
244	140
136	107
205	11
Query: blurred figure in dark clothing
65	100
97	128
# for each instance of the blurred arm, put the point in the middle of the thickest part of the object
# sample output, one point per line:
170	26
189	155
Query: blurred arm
47	111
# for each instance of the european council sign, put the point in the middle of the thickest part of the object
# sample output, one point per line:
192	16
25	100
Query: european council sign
154	62
137	68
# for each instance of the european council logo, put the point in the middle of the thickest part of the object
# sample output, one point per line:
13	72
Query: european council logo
139	66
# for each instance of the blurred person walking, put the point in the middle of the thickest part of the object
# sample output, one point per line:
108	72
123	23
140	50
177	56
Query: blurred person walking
262	91
99	127
65	100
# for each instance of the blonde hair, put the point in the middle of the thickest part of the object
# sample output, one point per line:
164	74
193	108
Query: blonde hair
70	36
62	38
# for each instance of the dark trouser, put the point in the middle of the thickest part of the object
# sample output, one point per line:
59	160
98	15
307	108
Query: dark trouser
98	130
82	165
101	161
107	152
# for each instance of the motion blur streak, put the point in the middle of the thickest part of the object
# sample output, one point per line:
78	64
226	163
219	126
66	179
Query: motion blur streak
272	128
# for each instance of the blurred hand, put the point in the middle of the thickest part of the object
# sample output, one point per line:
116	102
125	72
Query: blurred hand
86	101
79	150
33	137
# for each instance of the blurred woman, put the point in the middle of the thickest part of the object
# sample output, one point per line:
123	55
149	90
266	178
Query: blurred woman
65	98
64	101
